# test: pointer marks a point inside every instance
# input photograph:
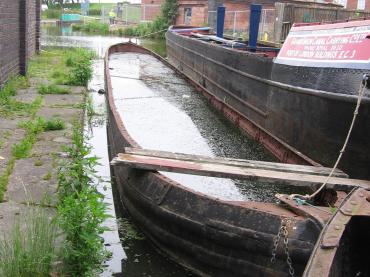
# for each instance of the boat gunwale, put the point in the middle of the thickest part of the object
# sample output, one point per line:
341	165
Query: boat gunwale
291	88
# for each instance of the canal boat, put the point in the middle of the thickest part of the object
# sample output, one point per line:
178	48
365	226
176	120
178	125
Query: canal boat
299	98
206	234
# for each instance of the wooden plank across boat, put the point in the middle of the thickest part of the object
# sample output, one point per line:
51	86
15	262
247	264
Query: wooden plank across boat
294	175
211	237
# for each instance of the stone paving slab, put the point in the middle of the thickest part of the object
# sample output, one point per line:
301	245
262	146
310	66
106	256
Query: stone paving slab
12	212
6	147
67	114
43	147
63	99
26	95
77	90
33	180
7	123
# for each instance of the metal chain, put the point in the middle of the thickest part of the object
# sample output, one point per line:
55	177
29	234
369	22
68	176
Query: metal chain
283	233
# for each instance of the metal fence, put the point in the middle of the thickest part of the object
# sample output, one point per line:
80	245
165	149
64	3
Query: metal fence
127	14
237	23
289	13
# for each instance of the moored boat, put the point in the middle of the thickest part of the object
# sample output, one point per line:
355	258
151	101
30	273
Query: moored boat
303	95
209	235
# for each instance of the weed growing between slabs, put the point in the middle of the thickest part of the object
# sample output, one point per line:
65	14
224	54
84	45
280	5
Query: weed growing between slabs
81	210
53	89
64	67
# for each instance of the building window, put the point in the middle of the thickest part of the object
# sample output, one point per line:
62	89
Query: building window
187	16
343	3
361	4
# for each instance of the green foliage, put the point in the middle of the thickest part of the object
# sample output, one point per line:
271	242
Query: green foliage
95	12
80	73
169	12
128	231
8	105
51	14
4	178
52	89
81	210
54	124
79	63
29	251
155	29
33	127
92	27
70	66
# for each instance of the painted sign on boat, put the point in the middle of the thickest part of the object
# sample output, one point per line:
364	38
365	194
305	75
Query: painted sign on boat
340	45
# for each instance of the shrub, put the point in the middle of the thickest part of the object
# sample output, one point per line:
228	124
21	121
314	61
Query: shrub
53	89
54	124
51	14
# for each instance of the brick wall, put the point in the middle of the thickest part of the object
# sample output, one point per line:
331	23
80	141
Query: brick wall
19	35
199	12
352	5
150	9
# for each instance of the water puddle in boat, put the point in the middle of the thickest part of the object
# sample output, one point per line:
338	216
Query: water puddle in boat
161	111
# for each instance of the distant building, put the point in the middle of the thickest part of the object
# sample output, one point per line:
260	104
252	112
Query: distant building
362	5
150	9
203	12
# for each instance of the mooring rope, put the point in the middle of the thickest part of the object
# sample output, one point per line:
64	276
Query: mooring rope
147	35
355	113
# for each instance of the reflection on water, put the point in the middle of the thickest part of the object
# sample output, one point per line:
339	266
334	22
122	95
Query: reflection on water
63	36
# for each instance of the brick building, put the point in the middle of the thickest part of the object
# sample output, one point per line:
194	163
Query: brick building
150	9
362	5
19	35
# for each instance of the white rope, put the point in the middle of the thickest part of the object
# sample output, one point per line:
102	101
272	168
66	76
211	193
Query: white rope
355	113
147	35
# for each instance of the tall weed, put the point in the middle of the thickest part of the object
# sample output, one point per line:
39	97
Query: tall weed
81	210
30	248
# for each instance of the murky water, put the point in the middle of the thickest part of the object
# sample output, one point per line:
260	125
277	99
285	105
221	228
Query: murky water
163	112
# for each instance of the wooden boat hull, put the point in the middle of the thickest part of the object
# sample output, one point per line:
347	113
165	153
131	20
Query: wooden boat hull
292	107
209	236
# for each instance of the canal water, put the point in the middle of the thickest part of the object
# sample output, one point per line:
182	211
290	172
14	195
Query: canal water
202	131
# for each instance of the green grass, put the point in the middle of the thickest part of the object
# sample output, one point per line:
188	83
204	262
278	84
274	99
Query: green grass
92	27
4	178
54	124
53	89
8	105
70	66
33	127
30	249
51	14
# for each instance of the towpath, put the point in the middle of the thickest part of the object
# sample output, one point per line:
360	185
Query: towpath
29	160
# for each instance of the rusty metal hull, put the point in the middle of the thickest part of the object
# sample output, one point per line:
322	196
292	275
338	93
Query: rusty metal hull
206	235
306	108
